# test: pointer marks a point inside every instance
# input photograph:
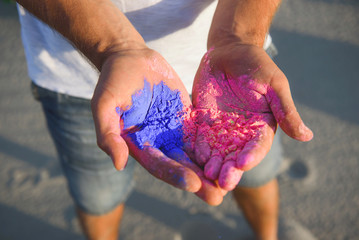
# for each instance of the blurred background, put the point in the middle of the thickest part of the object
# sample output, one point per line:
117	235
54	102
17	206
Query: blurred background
318	44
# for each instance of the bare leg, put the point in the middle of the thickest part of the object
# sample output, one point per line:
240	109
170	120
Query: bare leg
101	227
260	207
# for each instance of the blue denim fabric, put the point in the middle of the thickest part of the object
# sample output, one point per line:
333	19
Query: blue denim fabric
94	184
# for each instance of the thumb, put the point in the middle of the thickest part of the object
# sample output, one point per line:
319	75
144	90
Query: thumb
108	131
281	103
115	146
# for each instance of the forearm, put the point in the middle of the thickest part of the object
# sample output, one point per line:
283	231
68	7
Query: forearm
97	28
242	21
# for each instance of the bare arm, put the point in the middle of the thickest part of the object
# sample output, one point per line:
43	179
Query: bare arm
96	28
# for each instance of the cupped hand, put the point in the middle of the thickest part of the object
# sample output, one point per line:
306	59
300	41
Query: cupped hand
137	107
239	96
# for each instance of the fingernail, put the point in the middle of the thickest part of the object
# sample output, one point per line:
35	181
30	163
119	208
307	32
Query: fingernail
117	165
124	166
305	132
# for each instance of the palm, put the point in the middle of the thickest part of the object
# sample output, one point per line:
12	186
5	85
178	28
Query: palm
235	80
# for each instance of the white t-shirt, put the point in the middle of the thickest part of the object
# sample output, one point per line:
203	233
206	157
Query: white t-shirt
176	29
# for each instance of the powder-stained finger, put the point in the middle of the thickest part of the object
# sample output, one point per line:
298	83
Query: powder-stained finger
213	166
189	149
209	191
256	149
284	110
166	169
229	176
181	157
202	149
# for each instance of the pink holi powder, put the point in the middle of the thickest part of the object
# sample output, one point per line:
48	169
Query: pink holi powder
225	132
221	138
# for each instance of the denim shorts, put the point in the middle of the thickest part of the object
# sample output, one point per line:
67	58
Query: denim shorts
94	184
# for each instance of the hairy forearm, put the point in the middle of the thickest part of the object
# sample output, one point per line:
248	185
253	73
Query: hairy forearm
96	27
243	21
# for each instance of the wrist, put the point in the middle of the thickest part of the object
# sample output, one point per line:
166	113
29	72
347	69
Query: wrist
223	37
119	48
242	21
116	39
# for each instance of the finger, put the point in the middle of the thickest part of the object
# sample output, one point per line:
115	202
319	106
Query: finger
116	147
188	147
166	169
181	157
108	131
213	166
209	191
223	191
229	176
256	149
202	149
284	110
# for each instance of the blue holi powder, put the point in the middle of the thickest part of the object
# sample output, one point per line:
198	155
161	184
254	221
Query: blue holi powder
136	114
157	116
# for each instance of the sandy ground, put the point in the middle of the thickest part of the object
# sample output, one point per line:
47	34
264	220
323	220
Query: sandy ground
318	41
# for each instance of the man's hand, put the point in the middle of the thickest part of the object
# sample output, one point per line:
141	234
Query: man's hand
141	87
243	79
240	91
